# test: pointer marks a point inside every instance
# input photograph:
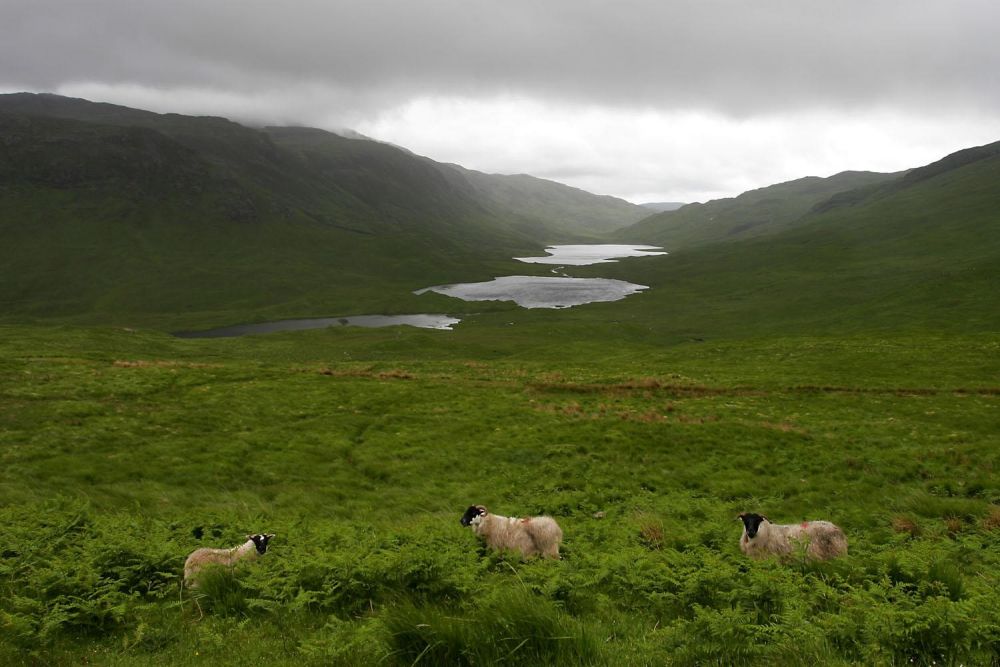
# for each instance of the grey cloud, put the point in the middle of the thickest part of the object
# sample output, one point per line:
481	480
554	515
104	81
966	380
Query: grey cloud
737	57
901	81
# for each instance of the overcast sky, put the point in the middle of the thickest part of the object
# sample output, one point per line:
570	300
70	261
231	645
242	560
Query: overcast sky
650	100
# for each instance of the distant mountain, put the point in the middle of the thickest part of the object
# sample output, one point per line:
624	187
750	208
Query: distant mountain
949	163
565	208
755	213
401	182
111	210
914	251
546	209
662	206
116	215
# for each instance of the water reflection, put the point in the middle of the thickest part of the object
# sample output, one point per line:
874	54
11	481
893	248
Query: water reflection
540	292
591	253
423	321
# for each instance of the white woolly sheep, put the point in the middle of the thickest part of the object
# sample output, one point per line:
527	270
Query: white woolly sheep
822	540
531	536
253	548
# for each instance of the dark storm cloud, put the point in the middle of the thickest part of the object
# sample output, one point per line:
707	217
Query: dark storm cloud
734	57
651	100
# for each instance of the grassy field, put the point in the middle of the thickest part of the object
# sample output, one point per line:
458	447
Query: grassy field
122	451
841	365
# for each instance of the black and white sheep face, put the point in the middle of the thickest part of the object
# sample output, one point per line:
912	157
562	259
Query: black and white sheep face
260	541
751	523
473	516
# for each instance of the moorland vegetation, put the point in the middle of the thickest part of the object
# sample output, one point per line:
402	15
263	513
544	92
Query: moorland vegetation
841	364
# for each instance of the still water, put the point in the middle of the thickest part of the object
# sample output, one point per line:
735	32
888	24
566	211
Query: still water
424	321
591	253
525	291
540	292
556	292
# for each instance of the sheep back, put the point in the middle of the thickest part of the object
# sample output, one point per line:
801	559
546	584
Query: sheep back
546	535
252	549
822	540
530	536
202	558
825	540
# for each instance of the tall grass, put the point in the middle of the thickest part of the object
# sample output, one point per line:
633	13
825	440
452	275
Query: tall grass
511	627
122	452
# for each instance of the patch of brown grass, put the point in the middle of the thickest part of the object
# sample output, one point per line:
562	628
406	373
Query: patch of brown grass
391	374
605	411
904	524
651	532
953	525
154	363
784	427
992	522
646	386
394	374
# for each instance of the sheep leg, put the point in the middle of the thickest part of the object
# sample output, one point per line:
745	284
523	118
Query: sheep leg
194	598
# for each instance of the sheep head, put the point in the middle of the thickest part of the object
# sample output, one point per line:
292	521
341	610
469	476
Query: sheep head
260	541
751	522
474	515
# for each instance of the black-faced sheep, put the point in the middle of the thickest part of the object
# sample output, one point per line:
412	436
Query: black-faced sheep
253	548
530	536
821	540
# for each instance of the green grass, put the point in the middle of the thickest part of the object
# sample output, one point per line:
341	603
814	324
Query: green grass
115	215
76	258
843	368
754	214
123	451
921	258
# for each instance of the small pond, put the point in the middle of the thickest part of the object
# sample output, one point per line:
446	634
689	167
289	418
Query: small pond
556	292
591	253
423	321
525	291
540	292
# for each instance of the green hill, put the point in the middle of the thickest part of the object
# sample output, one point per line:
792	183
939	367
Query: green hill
841	366
114	215
920	251
569	210
755	213
110	211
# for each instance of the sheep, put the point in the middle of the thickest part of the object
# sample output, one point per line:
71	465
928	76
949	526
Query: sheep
761	538
253	548
531	536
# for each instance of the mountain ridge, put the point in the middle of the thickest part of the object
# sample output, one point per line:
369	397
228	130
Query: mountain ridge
107	223
757	212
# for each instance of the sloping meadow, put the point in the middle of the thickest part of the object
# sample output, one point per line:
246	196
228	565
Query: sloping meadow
117	463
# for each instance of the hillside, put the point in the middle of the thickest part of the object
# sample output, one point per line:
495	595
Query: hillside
918	252
113	215
124	451
568	209
841	366
662	206
111	211
752	214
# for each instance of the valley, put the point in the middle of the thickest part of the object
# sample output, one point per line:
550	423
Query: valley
821	349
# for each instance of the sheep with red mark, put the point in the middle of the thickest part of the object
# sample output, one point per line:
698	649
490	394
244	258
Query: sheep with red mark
821	540
530	536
